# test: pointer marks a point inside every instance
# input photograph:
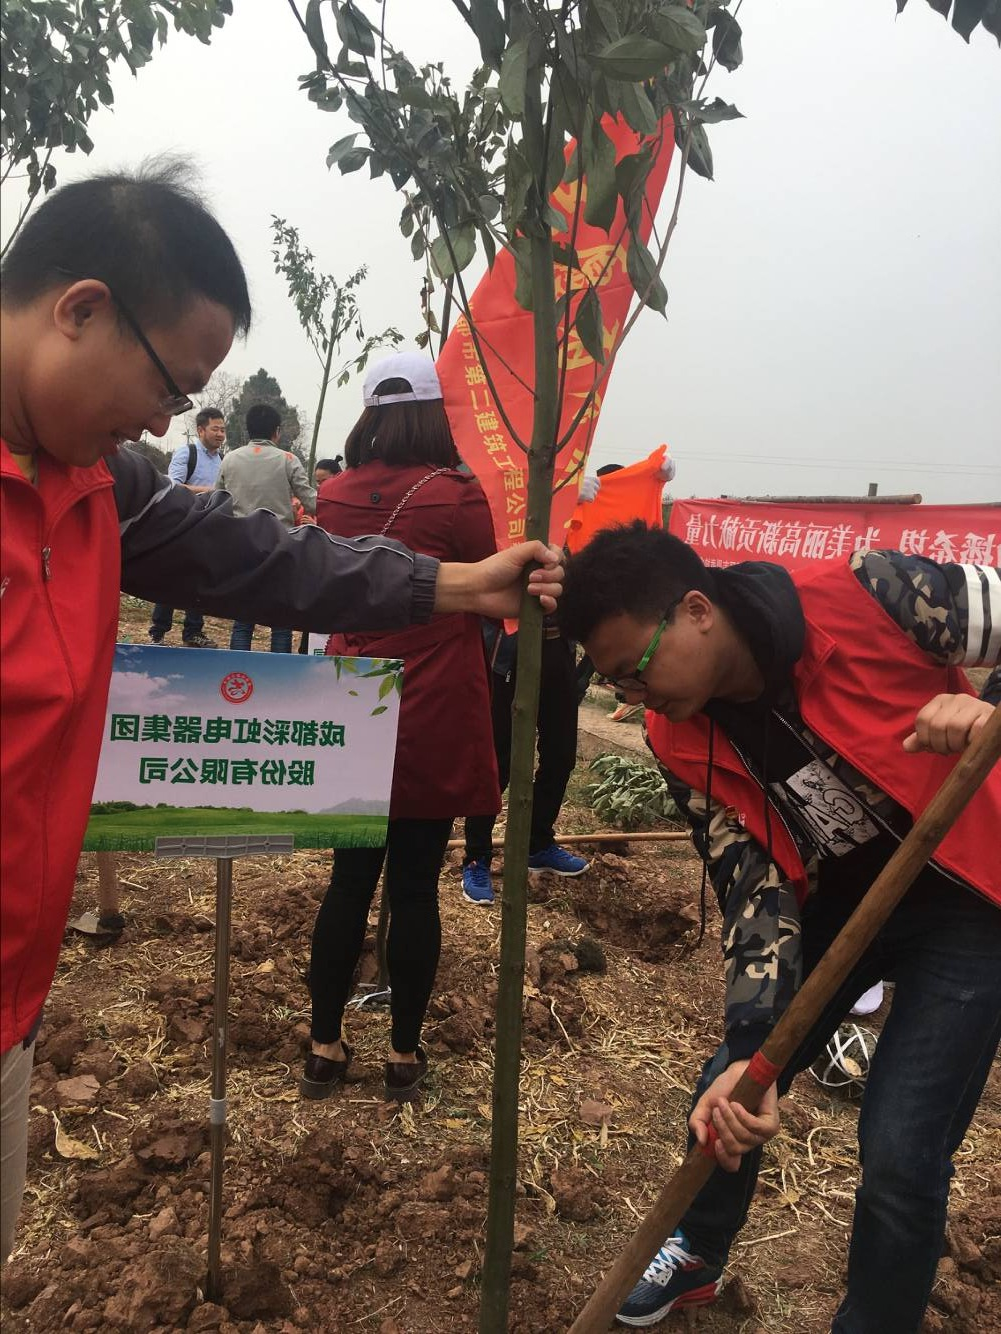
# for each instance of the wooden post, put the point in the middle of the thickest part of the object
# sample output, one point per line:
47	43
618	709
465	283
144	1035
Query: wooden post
217	1102
889	887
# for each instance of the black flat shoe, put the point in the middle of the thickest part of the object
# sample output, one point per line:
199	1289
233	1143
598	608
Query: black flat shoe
404	1078
322	1077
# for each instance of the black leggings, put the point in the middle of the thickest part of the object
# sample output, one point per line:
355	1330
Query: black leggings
557	727
414	853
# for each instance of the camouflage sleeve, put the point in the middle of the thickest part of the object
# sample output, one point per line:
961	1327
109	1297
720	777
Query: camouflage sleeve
761	926
951	611
991	690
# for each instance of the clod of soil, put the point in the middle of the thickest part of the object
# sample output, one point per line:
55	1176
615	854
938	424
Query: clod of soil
578	1195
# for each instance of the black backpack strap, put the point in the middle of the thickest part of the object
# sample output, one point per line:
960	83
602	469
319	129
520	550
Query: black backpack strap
192	463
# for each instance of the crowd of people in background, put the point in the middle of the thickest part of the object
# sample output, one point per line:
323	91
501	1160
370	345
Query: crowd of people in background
758	689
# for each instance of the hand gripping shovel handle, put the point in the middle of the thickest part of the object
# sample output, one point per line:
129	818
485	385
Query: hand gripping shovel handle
845	950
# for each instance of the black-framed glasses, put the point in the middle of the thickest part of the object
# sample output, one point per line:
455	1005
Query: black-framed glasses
636	682
174	403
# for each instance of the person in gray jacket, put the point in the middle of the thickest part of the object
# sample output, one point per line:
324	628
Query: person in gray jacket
260	476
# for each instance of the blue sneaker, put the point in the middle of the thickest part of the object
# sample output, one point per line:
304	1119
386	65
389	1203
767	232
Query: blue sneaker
477	887
558	860
674	1278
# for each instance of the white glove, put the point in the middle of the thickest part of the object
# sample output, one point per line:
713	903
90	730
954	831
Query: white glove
589	489
667	470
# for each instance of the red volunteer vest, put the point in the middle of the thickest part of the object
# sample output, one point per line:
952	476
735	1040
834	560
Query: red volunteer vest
859	684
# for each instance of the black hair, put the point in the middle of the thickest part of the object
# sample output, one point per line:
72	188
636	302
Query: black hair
144	233
262	421
633	569
333	466
608	469
402	433
207	415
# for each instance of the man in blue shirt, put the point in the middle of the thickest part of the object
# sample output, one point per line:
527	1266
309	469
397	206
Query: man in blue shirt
195	466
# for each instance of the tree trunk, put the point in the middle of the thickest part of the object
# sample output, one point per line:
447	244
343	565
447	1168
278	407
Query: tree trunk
323	390
514	905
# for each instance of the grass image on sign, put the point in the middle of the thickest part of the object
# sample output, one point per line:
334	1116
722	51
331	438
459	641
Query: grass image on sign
219	742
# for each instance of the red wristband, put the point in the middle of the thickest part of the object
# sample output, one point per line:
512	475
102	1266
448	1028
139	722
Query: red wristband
709	1148
762	1071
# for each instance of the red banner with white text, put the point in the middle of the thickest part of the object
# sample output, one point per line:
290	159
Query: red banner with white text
507	337
726	531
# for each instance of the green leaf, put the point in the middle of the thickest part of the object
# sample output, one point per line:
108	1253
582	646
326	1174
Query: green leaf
633	58
463	248
588	323
352	160
514	76
726	39
711	113
338	150
599	175
700	155
678	27
380	708
354	30
643	275
385	686
631	174
314	30
488	25
636	107
489	246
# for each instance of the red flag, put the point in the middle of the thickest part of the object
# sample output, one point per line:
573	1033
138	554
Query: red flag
507	338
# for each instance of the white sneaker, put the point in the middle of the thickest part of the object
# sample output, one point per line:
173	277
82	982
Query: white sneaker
870	1001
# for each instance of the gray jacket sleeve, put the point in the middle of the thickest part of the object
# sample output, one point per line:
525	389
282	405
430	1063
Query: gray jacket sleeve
299	483
190	550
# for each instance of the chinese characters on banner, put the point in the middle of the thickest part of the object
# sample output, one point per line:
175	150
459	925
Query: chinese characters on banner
507	337
241	743
726	531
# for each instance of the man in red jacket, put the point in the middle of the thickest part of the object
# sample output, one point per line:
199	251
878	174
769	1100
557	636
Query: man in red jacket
121	294
801	723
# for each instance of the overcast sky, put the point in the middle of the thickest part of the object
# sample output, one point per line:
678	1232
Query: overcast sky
834	310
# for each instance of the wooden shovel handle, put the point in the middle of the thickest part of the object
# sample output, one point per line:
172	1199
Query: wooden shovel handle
889	887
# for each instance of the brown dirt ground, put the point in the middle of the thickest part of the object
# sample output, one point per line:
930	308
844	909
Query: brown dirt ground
343	1215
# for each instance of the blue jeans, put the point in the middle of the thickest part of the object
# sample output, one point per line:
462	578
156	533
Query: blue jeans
242	637
942	949
163	621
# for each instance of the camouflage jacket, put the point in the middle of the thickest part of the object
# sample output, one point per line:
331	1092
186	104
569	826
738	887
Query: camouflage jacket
761	934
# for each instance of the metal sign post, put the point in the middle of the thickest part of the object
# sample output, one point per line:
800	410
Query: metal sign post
224	849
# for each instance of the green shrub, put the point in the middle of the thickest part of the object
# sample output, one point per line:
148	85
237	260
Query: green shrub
629	793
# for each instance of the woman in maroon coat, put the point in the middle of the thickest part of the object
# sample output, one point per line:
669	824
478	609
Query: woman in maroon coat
401	480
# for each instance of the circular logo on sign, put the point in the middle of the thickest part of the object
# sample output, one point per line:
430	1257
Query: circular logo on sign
236	688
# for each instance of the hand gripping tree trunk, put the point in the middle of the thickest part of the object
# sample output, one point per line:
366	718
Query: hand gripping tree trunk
514	907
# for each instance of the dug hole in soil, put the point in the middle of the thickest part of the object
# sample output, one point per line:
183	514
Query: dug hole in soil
350	1215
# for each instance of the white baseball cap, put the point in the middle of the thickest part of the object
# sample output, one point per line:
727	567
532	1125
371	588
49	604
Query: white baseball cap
418	371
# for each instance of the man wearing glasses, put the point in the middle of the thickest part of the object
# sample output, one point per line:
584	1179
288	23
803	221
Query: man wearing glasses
121	295
801	722
195	465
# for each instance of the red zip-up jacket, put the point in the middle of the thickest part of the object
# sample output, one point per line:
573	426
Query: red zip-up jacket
66	547
859	683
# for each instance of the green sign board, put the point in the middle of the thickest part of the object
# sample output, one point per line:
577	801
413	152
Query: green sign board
213	742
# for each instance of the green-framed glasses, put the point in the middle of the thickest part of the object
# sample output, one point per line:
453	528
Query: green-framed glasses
636	682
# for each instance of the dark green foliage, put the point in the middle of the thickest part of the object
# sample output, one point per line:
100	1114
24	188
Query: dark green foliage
967	14
262	387
57	62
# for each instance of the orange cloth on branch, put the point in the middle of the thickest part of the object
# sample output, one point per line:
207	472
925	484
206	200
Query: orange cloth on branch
630	493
